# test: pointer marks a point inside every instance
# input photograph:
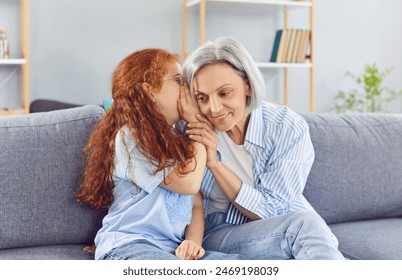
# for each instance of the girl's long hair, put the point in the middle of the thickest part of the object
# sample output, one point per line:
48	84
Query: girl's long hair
134	109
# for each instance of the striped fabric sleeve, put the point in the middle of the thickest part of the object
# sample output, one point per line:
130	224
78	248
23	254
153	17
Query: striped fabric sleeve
283	178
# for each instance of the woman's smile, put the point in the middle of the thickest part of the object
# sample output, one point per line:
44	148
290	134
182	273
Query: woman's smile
220	117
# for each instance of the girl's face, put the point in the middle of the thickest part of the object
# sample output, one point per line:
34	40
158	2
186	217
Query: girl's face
221	95
166	98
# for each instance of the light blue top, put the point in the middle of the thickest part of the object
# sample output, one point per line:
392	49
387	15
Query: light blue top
279	143
150	212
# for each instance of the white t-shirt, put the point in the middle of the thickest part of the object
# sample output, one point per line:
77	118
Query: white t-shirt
237	159
152	212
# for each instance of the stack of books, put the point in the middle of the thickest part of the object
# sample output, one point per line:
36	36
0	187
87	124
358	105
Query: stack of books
290	46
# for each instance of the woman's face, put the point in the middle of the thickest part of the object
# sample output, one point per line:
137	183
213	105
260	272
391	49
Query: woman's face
166	98
221	95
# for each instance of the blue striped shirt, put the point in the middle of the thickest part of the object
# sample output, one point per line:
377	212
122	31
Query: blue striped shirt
279	143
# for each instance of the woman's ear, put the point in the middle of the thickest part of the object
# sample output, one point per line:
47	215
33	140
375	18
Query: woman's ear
247	89
148	89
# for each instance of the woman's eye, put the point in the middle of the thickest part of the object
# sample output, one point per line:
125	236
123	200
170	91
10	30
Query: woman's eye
178	80
224	93
201	98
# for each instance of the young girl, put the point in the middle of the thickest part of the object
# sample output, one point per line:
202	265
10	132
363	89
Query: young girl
146	173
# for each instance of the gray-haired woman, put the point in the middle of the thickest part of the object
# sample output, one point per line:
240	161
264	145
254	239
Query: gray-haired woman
258	158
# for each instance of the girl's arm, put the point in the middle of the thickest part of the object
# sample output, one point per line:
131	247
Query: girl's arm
191	247
190	182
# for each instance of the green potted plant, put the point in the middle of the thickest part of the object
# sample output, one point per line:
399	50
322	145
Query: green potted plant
371	95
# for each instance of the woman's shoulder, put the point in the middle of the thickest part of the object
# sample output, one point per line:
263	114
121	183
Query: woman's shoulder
281	117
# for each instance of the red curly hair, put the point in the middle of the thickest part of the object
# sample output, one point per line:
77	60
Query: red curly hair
133	109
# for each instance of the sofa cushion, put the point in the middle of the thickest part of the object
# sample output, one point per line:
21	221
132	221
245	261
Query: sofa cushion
57	252
357	172
379	239
41	166
46	105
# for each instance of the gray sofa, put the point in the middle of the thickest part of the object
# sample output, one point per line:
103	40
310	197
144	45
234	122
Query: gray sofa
41	164
355	183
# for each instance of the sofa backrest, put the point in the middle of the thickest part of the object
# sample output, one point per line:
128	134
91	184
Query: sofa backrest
357	172
41	166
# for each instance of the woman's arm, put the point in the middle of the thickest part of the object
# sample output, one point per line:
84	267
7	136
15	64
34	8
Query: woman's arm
281	181
191	247
283	175
190	182
203	132
230	184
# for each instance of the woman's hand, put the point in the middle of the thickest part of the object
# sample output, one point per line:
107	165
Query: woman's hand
203	132
189	250
188	108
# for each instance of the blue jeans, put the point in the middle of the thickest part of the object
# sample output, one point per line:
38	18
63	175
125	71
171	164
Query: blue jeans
145	250
296	235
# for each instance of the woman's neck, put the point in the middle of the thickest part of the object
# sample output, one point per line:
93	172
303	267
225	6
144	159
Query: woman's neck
238	132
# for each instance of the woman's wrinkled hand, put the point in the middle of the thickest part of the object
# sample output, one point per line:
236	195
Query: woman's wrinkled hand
189	250
187	106
203	132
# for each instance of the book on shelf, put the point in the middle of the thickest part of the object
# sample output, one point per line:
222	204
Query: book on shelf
290	46
282	57
296	46
276	45
304	46
282	44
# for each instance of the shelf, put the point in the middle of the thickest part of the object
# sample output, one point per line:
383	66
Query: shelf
12	112
13	61
278	6
283	65
21	63
191	3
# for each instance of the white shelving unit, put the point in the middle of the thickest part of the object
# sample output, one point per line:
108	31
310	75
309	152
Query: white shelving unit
13	61
22	62
191	3
309	5
283	65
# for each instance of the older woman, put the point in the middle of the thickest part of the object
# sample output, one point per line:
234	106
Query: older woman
258	158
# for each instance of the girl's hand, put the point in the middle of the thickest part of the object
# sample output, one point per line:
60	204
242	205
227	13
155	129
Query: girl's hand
188	108
203	132
90	249
189	250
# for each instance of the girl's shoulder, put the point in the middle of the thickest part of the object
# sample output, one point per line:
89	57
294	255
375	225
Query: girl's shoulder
125	139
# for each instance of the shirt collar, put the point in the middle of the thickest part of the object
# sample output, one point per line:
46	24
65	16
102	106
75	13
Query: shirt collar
255	129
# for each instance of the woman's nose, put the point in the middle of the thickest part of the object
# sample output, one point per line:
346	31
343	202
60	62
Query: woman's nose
215	105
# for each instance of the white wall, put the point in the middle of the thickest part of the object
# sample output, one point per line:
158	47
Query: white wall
350	34
76	44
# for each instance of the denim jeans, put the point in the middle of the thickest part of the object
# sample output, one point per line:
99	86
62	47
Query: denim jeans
296	235
145	250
